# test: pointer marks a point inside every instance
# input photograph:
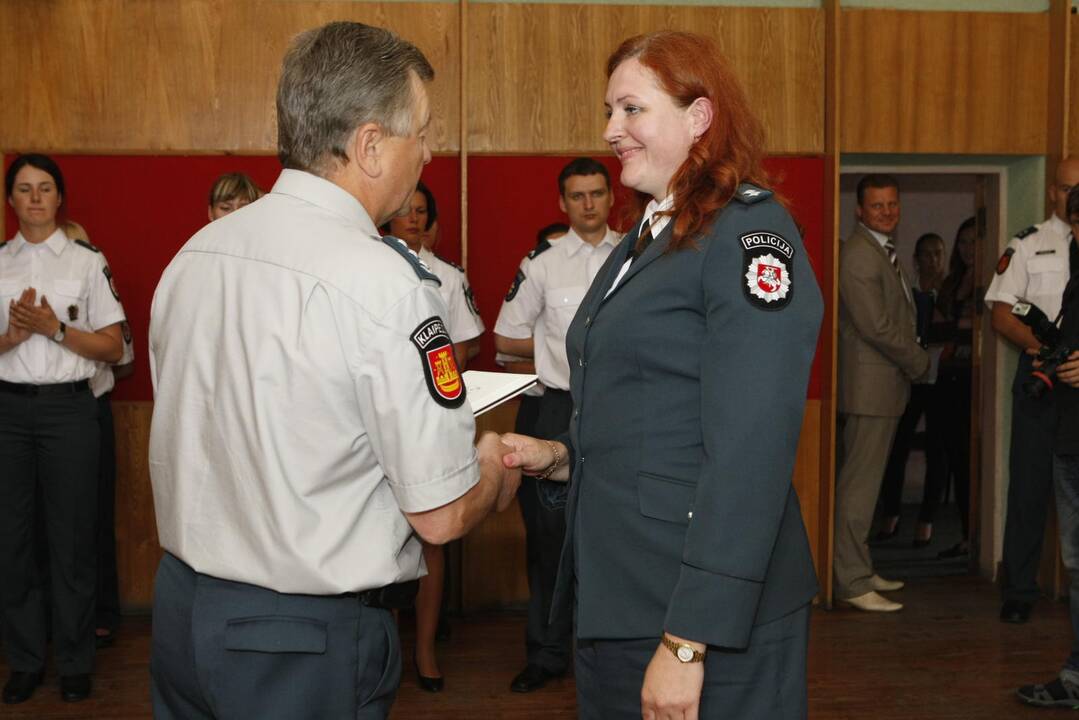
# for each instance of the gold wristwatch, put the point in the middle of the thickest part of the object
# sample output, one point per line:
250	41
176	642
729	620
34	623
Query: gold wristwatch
683	651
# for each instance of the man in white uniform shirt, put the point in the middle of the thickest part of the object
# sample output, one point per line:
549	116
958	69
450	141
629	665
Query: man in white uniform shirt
1034	267
310	418
532	324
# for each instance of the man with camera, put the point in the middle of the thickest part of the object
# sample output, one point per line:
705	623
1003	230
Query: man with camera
1034	267
1062	380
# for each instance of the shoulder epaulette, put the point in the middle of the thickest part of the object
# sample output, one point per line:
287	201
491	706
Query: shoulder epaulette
88	246
451	263
3	243
1029	231
541	247
749	193
419	266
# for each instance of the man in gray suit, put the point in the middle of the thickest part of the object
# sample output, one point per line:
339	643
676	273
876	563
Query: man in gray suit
879	355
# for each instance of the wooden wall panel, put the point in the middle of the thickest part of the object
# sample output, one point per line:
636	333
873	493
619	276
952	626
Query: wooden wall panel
943	82
137	551
190	76
1073	83
536	86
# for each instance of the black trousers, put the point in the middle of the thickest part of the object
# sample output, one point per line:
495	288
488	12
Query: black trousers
226	650
108	582
765	681
51	441
923	401
952	415
549	644
1030	468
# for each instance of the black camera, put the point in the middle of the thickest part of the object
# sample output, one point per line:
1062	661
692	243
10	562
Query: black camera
1054	349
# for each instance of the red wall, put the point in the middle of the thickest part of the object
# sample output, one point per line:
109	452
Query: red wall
140	209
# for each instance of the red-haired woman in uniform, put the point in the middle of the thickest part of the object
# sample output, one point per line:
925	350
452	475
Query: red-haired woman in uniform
690	359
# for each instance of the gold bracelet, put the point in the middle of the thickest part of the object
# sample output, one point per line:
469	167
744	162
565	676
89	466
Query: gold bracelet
549	470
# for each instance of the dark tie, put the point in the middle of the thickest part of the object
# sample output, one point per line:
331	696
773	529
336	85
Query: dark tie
890	247
643	241
1073	258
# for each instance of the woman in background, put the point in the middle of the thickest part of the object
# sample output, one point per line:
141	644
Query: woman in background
465	327
229	193
955	308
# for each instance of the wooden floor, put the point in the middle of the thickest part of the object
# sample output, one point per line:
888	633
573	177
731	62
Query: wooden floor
944	657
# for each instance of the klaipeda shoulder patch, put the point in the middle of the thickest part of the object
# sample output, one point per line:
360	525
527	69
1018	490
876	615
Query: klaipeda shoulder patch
517	280
444	381
768	281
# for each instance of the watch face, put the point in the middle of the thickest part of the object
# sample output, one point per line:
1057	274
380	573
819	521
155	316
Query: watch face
685	653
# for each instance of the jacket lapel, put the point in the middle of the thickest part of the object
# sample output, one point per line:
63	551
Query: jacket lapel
657	247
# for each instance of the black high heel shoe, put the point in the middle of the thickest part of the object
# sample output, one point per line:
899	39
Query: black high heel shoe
430	684
884	536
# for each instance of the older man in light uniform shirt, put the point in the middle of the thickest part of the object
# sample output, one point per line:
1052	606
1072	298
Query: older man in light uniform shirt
533	323
1034	267
310	419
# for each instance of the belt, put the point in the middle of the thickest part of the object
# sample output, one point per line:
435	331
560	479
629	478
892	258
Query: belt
67	388
398	596
555	391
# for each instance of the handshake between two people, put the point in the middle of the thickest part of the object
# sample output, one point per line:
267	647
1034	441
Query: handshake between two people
502	460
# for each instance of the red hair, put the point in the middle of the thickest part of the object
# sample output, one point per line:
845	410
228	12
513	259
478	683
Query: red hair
730	152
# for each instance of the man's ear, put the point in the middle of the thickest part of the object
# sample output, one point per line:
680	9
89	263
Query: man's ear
365	149
701	112
562	204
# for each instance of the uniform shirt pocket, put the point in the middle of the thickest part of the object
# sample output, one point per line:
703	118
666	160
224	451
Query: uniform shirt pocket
69	302
665	498
1048	274
566	299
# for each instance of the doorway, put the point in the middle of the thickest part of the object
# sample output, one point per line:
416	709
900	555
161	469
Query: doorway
938	200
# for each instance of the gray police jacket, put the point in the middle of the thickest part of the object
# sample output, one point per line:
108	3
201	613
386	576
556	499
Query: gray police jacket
689	386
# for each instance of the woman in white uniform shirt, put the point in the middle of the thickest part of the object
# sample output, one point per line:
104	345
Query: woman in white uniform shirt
59	317
465	327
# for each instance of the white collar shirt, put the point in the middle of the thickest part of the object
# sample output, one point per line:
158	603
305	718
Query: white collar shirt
655	225
294	423
1034	267
547	298
103	380
463	317
75	278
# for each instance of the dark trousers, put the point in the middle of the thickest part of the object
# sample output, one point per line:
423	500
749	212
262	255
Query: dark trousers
226	650
951	415
49	441
1030	467
549	644
767	680
108	582
922	402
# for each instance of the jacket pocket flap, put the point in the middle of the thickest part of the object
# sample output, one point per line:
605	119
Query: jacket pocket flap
276	634
665	498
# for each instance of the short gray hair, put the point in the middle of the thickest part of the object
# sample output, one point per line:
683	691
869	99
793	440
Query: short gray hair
336	78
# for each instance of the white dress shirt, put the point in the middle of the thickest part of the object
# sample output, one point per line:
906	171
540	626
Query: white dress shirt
463	317
75	280
547	299
293	424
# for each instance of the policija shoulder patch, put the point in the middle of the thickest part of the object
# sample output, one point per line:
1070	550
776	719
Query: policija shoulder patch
768	281
439	366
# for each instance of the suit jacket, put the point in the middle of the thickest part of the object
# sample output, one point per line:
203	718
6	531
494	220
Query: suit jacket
689	395
879	352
